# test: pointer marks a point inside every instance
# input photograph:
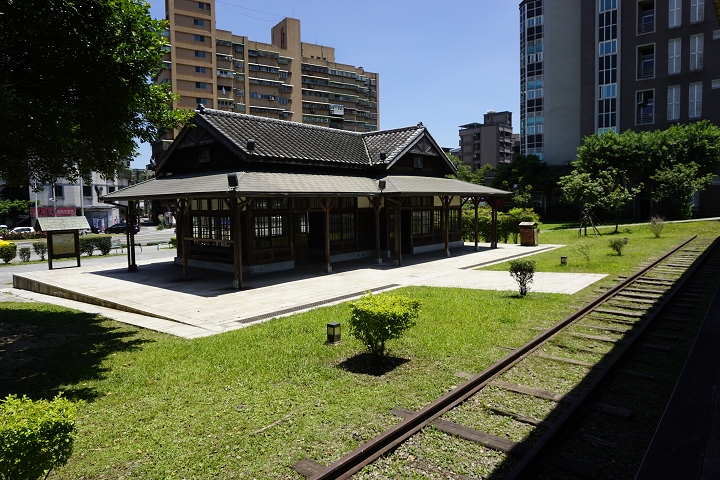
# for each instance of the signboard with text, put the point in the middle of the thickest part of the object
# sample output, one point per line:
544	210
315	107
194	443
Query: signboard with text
50	212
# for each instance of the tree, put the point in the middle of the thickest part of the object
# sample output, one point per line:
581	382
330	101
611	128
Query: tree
522	271
607	189
74	78
465	174
654	163
675	186
11	209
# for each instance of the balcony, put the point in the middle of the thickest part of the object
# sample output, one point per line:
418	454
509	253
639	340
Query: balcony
646	24
644	118
645	72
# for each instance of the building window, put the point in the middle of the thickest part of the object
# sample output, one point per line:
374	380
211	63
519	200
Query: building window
646	62
646	16
301	223
204	6
200	70
715	83
454	220
58	191
87	191
421	221
111	188
674	13
674	47
673	103
695	100
201	101
417	162
270	231
697	11
199	38
202	85
645	107
199	54
607	5
198	22
696	52
204	155
342	226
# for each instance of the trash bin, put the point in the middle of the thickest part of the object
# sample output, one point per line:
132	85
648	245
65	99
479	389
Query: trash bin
528	234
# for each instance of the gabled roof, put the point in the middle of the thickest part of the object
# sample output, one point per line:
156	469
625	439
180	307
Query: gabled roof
282	139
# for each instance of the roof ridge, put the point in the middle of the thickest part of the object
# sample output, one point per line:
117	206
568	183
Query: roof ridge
223	113
392	130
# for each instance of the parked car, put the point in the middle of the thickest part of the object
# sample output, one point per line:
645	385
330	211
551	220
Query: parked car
119	228
22	230
3	227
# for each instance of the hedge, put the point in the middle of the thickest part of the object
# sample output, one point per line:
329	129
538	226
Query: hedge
8	250
35	437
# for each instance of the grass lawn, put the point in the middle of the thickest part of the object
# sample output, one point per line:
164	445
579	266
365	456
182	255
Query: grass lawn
249	403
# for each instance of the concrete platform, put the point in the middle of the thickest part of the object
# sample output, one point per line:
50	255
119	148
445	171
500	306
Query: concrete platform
156	297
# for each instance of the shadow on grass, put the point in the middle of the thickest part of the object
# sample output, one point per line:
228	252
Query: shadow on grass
46	349
366	364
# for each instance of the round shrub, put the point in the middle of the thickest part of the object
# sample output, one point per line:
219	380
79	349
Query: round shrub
8	250
375	319
40	249
25	254
35	437
87	246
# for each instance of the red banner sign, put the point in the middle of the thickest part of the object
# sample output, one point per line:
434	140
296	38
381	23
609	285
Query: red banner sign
50	212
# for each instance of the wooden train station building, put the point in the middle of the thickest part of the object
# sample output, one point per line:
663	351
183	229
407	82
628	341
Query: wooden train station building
253	194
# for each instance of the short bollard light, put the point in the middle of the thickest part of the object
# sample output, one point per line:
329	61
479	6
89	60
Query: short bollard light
563	260
333	333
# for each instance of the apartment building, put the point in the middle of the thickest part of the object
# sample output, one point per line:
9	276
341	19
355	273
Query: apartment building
487	143
286	79
594	65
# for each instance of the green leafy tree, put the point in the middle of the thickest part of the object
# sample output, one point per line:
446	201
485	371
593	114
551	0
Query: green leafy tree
11	209
679	159
675	186
466	174
76	90
523	271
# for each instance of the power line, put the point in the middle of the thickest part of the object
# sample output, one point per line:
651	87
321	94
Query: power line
251	9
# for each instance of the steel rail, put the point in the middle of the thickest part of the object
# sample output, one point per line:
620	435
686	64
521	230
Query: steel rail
391	438
536	457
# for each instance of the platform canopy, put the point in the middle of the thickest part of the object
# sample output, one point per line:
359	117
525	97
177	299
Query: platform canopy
268	184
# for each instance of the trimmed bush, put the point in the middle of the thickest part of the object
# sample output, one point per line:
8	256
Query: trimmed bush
8	250
103	243
656	225
375	319
523	272
87	246
40	249
173	242
25	254
35	437
618	244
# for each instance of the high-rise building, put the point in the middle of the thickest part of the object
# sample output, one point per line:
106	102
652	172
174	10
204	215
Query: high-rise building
286	79
487	143
589	66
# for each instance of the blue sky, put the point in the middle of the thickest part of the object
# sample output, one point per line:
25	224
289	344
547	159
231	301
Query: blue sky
443	63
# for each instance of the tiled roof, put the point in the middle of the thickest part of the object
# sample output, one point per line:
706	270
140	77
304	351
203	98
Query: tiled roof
299	141
55	224
276	183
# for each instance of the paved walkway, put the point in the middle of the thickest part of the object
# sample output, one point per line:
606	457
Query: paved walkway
155	297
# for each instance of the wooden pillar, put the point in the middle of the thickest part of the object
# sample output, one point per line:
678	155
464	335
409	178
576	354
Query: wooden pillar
326	204
398	233
236	209
130	231
446	209
182	234
476	203
376	202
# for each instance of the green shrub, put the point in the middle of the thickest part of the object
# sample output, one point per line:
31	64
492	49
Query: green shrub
618	244
375	319
40	249
8	250
87	246
35	437
173	242
103	243
523	272
161	225
656	225
25	254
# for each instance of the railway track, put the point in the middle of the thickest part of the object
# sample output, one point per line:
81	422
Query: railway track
597	340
